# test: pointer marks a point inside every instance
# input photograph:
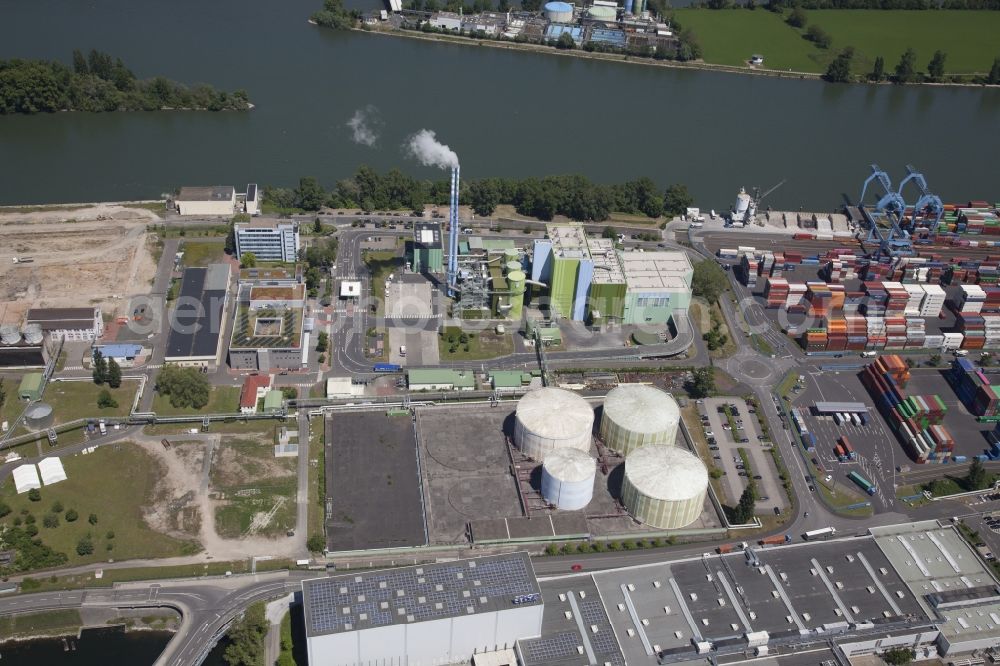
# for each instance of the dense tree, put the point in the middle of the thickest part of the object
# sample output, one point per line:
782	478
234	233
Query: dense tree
702	383
484	196
565	41
878	70
321	254
935	68
977	478
899	656
100	371
71	516
708	280
818	36
114	377
744	511
85	546
676	200
322	341
80	63
309	195
186	387
609	232
317	226
994	75
35	495
246	638
50	520
248	260
105	400
797	18
906	70
690	47
335	15
839	70
316	543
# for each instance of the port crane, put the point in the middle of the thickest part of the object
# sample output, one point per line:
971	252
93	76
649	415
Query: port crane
884	217
756	198
928	202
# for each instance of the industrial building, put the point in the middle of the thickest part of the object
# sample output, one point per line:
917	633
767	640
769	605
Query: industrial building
269	329
16	352
636	415
124	354
268	240
252	202
31	386
255	387
568	479
439	379
425	252
214	200
664	486
589	279
196	324
550	418
343	387
70	324
439	613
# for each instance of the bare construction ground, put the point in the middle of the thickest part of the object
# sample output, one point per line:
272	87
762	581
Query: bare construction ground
95	255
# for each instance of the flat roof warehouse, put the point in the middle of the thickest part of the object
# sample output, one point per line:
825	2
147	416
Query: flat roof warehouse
197	322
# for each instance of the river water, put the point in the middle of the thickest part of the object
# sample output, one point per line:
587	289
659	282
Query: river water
506	113
98	647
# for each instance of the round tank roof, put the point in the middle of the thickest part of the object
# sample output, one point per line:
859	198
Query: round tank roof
570	465
641	408
602	13
555	413
517	276
39	410
666	473
558	7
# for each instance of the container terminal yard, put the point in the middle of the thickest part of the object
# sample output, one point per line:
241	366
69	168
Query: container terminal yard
573	499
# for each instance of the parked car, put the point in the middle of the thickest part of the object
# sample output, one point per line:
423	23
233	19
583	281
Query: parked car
777	511
758	477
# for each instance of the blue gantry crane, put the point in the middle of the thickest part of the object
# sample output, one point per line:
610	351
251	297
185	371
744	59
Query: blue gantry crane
929	205
884	218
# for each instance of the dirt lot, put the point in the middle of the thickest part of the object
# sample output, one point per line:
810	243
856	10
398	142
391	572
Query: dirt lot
95	255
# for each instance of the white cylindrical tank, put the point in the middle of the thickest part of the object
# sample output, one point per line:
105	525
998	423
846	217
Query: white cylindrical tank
38	416
559	12
664	486
9	334
552	418
568	478
32	334
638	415
742	204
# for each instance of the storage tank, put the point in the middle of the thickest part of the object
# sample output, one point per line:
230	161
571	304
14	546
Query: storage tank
559	12
38	416
602	13
512	266
664	486
568	479
515	282
9	334
32	334
552	418
638	415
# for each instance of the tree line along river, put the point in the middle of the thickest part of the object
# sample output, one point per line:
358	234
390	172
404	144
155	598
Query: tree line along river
505	113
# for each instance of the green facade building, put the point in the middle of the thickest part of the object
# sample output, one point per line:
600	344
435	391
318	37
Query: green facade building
427	255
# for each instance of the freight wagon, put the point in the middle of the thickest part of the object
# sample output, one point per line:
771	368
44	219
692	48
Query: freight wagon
862	483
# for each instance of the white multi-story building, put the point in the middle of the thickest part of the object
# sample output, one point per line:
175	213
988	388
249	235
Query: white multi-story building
71	324
440	613
268	240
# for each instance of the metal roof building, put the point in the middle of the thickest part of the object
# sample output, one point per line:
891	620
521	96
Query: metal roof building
31	386
436	379
67	323
213	200
437	613
658	283
196	323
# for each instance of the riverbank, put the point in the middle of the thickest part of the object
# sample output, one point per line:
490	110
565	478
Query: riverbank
70	622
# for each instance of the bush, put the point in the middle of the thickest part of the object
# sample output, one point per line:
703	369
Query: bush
50	520
316	543
35	495
92	519
31	530
567	549
105	400
85	546
4	509
57	507
71	516
110	534
552	549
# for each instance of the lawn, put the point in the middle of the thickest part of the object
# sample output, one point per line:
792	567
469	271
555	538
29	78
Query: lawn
730	37
968	37
48	623
78	400
705	322
251	480
482	345
317	478
112	483
158	207
202	253
265	428
221	400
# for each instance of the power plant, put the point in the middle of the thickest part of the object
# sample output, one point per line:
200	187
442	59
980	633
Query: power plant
664	486
548	419
637	415
568	479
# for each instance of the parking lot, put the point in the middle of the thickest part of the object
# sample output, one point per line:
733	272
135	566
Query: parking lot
412	321
987	526
723	445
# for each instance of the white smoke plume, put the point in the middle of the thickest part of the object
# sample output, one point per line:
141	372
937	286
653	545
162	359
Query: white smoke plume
427	150
365	125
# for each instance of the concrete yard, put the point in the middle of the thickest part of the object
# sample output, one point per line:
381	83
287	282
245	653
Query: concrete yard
970	436
373	482
412	319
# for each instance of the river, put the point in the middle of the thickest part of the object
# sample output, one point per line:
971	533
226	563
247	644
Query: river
506	113
97	647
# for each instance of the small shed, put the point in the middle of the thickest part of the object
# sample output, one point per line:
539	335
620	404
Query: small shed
273	401
31	386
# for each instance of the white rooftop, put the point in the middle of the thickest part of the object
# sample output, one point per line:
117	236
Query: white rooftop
350	289
51	470
342	386
607	268
26	478
651	271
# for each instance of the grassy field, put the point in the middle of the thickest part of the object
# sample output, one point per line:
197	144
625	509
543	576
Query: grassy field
381	263
158	207
482	345
730	37
971	48
317	478
113	483
704	319
221	400
77	400
49	623
202	253
253	481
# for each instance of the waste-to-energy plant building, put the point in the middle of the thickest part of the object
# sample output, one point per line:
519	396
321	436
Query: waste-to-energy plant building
636	415
552	418
438	613
568	479
664	486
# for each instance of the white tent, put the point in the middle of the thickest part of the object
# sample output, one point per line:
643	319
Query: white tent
26	478
52	471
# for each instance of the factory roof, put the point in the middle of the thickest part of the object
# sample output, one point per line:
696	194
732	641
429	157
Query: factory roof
252	384
194	331
607	267
457	378
653	271
849	407
569	241
427	235
31	383
407	595
350	289
212	193
509	378
273	400
265	223
120	350
52	319
491	244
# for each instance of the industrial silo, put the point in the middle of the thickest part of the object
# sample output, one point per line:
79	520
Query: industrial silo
9	334
603	13
516	282
559	12
664	486
742	205
552	418
568	479
38	416
32	334
638	415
